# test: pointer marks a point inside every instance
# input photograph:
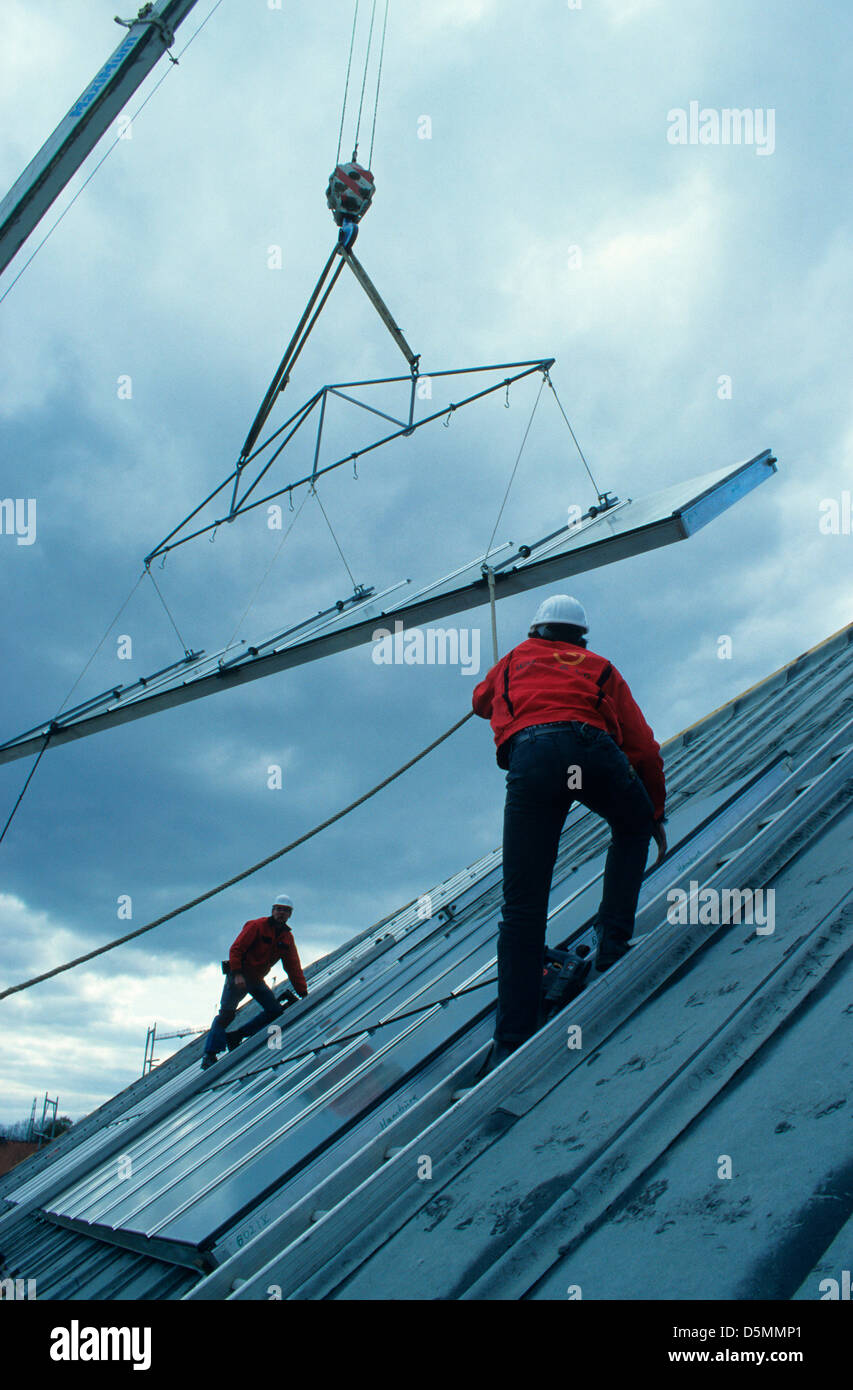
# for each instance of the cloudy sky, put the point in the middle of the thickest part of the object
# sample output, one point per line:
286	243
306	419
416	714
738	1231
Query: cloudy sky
533	199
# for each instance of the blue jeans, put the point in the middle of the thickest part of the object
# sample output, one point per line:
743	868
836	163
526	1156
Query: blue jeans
231	995
542	763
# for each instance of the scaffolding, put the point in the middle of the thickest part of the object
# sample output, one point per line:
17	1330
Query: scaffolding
150	1061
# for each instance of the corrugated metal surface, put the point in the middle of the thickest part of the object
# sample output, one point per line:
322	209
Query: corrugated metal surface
795	710
237	1160
742	1064
67	1265
232	1142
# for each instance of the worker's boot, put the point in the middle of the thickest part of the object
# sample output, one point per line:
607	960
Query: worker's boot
209	1060
613	944
498	1053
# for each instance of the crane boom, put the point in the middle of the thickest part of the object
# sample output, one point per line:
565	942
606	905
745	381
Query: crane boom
44	178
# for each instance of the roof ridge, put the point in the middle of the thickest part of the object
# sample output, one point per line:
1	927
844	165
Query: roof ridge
750	690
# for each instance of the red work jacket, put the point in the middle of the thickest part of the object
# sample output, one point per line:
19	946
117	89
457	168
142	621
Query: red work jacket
260	945
541	682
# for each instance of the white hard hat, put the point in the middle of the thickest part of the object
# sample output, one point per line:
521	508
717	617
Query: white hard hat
283	901
560	608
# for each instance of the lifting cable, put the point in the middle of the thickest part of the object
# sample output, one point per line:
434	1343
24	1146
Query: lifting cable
517	462
341	252
52	723
334	537
487	569
30	776
572	433
363	82
346	84
186	649
245	873
545	378
253	599
378	81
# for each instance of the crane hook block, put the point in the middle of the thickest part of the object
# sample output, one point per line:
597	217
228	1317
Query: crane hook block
350	192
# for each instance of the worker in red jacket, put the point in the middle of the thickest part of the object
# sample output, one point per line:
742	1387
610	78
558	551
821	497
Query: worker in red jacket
566	728
260	944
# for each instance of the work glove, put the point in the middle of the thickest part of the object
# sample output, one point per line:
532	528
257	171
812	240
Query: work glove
660	840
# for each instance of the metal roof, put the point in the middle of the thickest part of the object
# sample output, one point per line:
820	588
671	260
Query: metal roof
374	1167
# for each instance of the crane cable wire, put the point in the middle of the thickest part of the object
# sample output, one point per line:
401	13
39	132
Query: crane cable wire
346	84
378	81
364	80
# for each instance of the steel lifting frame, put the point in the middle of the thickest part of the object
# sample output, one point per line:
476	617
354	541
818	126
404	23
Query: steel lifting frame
240	502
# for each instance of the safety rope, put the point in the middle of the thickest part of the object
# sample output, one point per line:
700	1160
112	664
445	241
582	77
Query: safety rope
245	873
353	1037
490	576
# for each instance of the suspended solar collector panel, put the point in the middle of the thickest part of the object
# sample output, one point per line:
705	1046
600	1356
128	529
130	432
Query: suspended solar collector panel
624	529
